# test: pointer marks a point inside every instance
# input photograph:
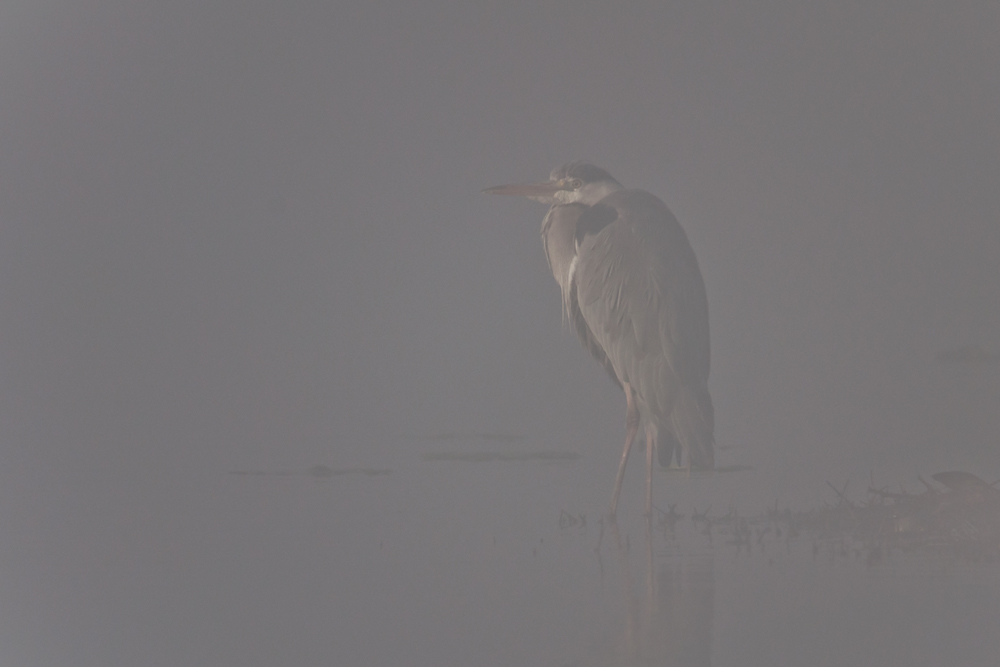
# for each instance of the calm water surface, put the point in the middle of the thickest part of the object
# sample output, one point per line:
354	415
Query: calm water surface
487	556
452	562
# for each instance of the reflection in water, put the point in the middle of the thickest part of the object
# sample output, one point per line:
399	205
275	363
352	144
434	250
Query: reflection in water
686	599
670	622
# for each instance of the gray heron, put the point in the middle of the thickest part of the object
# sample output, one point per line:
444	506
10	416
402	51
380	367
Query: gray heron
632	290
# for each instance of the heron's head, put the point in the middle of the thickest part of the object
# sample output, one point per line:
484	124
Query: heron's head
572	182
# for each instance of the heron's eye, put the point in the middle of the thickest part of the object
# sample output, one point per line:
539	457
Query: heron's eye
576	184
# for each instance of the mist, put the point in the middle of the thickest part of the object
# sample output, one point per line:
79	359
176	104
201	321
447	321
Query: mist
257	322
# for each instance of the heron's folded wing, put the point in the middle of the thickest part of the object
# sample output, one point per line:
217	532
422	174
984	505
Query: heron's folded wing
641	293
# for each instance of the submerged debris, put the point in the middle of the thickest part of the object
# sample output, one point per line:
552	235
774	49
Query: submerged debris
451	436
972	355
478	457
956	516
963	516
319	471
567	520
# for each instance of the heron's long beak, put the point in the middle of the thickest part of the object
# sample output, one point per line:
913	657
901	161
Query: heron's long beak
547	189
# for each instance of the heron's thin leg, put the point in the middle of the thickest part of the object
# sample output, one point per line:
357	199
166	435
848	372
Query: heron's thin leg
652	600
632	427
650	443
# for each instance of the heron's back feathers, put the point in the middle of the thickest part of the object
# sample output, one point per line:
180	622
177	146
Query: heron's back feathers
641	294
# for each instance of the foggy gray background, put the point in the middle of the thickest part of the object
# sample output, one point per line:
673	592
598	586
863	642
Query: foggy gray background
251	236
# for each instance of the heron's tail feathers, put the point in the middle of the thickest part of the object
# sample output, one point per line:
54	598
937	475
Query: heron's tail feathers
666	447
693	424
